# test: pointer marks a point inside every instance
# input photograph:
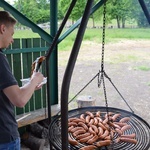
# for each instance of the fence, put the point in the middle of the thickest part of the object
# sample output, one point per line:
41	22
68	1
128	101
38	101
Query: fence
21	54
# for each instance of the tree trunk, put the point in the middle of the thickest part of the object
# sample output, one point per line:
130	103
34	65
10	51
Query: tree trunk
123	22
118	22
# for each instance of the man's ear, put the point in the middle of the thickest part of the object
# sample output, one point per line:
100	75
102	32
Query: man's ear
2	28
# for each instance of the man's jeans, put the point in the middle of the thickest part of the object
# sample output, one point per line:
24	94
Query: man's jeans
14	145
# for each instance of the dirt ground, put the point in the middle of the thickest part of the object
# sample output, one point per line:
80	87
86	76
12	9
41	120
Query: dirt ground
126	63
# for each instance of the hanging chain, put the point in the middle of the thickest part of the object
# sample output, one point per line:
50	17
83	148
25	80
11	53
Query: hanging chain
103	46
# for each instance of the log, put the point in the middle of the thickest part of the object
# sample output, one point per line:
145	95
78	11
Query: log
38	130
33	142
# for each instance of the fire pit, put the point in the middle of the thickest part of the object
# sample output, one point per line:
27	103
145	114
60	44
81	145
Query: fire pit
138	126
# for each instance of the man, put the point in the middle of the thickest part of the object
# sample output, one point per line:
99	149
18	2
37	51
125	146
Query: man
10	93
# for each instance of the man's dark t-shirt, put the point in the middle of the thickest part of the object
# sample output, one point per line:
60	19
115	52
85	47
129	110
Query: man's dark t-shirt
8	124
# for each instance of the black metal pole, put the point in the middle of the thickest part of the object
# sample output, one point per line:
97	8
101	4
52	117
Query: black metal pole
68	74
145	10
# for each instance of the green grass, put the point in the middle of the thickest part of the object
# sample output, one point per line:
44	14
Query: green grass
111	35
142	68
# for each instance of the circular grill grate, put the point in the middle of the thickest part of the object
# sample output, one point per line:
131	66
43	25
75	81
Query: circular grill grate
138	126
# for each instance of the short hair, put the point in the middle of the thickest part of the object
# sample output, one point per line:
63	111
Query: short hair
6	18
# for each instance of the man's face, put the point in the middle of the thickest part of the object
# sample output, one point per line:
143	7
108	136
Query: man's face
7	32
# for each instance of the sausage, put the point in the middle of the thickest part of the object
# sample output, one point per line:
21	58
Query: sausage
71	119
70	128
78	132
83	125
125	119
102	126
121	124
87	119
100	131
89	147
99	119
95	121
85	139
80	136
78	120
106	133
90	114
128	140
72	141
76	128
98	114
103	143
95	128
82	116
126	127
114	117
108	114
105	121
114	125
118	131
129	135
92	140
91	122
72	124
91	130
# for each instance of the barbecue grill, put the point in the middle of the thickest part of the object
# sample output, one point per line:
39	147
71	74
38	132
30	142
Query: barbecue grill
138	126
58	128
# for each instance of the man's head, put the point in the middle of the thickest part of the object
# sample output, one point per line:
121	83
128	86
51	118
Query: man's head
7	23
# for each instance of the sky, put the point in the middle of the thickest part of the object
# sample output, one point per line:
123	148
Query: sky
10	1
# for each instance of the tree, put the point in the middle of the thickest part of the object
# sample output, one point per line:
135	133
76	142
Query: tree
77	11
138	13
120	10
36	10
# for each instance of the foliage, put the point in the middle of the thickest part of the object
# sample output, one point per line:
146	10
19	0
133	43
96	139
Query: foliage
37	11
121	10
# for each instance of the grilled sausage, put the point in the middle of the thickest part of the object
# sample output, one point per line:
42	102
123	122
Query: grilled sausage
95	121
78	120
82	116
72	124
87	119
89	147
91	122
76	128
125	119
70	128
92	140
91	130
121	124
129	135
118	131
98	114
128	140
83	125
126	127
90	114
80	136
100	131
106	133
78	132
72	141
103	143
95	128
85	139
114	117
